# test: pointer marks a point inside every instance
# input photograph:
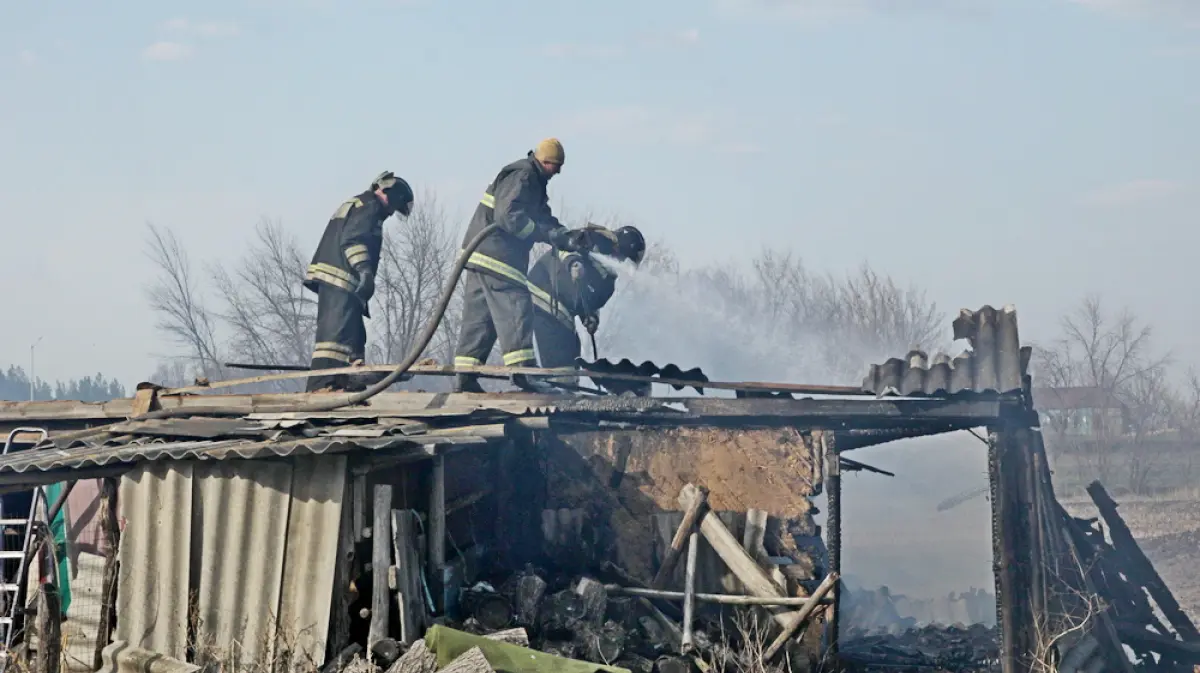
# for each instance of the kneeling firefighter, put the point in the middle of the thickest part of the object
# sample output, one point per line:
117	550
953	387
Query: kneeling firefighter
496	299
568	285
342	274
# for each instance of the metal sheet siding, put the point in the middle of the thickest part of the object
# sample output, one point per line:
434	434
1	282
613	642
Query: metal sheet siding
155	506
306	597
241	516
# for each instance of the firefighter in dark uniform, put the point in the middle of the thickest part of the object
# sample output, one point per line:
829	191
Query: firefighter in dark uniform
496	300
566	285
342	274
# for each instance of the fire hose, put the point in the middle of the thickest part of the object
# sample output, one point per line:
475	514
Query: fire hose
422	342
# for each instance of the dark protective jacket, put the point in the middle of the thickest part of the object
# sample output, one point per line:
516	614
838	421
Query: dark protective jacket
518	202
565	294
353	237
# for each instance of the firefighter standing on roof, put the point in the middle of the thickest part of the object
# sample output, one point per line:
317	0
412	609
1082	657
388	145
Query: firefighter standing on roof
342	273
496	300
565	285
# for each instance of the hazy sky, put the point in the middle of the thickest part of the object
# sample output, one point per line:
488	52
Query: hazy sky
991	151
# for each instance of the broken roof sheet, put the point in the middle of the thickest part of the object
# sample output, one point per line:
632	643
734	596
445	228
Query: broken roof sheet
221	439
996	362
135	452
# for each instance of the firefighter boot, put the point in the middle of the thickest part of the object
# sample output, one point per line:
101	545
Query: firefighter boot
530	385
467	383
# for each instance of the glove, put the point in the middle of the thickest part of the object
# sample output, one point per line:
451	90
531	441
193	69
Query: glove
366	285
591	323
562	239
576	270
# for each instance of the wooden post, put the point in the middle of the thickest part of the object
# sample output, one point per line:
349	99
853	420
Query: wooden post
343	572
358	505
49	629
695	505
1003	546
381	560
108	589
1039	592
408	576
833	534
437	530
689	593
752	541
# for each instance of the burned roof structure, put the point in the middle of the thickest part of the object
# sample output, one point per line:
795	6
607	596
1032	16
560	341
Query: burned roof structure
356	526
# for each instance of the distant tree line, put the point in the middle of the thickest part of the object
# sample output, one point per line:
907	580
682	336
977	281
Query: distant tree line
14	385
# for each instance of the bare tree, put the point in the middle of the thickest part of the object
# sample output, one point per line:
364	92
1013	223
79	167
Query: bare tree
414	268
270	317
173	373
1112	355
180	306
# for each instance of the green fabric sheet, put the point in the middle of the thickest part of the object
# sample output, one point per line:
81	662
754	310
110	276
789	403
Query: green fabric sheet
448	644
58	532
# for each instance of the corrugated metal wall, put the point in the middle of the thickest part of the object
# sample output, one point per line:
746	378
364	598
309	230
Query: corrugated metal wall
254	540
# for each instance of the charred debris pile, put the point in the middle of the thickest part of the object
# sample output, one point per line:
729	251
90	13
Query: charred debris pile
600	617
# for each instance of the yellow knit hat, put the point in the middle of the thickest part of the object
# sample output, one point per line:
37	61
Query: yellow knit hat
550	151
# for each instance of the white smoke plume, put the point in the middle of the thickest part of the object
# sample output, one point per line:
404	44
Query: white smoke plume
775	321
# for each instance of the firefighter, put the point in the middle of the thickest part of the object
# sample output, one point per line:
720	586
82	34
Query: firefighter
342	274
496	301
567	285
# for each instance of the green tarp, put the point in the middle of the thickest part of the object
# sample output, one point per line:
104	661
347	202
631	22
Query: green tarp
58	532
448	644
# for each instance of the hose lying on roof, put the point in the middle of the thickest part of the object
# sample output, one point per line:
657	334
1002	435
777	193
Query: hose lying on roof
439	312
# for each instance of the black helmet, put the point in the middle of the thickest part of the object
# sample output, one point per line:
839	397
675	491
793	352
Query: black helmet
399	193
630	244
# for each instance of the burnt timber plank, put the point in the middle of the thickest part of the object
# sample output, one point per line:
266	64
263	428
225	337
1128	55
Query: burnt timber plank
870	412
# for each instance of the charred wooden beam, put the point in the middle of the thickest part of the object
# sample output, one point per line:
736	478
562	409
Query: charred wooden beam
827	585
720	599
1140	567
833	539
691	515
381	560
111	529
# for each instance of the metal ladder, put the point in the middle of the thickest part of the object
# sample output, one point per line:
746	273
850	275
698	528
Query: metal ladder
11	587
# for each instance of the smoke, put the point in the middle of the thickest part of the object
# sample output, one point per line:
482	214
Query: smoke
776	323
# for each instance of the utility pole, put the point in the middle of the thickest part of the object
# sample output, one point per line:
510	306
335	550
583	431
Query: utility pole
31	362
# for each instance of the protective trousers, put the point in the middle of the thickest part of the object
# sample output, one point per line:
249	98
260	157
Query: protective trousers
341	335
557	344
495	309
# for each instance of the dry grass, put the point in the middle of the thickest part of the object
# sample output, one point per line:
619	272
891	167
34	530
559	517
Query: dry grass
752	634
272	653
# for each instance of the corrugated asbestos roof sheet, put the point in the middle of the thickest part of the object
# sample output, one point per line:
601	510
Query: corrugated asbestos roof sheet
258	531
996	362
173	439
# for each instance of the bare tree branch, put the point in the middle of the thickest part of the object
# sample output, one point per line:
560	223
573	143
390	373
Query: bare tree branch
175	298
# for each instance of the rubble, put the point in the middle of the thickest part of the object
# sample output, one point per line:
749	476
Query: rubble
930	648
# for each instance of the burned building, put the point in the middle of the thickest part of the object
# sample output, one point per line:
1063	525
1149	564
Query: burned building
297	537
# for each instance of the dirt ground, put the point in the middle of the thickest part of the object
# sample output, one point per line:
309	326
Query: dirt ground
1168	530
